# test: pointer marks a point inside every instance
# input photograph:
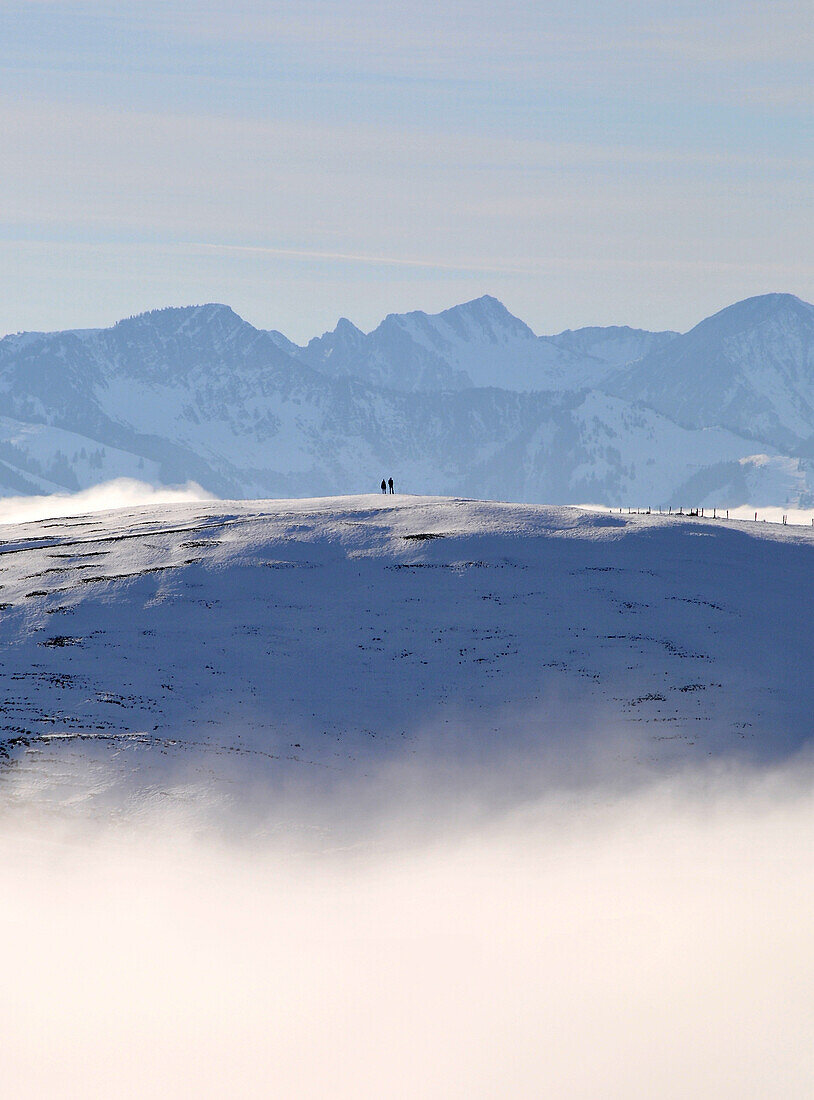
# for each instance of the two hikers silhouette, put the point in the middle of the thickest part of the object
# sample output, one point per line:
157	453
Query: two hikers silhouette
387	483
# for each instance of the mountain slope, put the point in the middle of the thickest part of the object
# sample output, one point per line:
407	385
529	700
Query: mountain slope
179	389
749	368
321	435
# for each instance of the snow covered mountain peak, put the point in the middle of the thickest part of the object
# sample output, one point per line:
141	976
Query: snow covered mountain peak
758	309
208	323
475	344
486	316
482	319
749	368
346	328
335	352
179	316
345	338
478	343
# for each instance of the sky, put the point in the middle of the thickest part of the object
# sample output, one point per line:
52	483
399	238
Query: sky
585	161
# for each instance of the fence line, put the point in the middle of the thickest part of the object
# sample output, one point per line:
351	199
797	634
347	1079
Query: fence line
704	513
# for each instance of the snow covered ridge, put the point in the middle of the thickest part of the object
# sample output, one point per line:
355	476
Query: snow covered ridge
469	401
306	641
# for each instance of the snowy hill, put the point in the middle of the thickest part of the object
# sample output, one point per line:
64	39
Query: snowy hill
749	368
338	634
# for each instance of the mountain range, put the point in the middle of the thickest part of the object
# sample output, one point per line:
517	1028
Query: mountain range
465	402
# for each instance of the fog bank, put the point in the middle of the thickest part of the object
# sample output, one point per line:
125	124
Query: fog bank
655	943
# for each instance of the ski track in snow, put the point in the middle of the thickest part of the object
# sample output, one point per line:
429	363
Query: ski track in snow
335	634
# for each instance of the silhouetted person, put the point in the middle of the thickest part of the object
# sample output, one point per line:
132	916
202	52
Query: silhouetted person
390	483
384	486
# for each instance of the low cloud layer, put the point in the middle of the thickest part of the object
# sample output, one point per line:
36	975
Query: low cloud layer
123	492
655	943
802	516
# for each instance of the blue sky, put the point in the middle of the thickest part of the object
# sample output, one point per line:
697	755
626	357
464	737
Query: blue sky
587	163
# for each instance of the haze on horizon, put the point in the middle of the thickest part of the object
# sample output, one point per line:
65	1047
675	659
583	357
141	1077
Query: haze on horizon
586	163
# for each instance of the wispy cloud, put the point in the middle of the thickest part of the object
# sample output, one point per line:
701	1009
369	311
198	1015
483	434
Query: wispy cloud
374	261
439	142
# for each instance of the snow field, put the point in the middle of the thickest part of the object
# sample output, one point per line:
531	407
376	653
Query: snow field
328	637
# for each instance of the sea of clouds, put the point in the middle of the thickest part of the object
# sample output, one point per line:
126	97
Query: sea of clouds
591	942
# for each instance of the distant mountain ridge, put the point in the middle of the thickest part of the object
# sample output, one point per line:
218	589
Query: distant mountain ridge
616	345
479	343
468	401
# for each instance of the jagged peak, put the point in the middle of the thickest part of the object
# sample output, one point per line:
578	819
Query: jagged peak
346	328
485	303
345	333
486	311
485	308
